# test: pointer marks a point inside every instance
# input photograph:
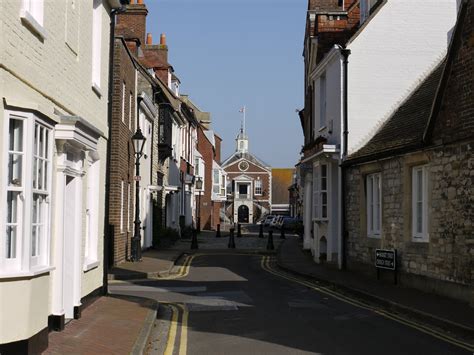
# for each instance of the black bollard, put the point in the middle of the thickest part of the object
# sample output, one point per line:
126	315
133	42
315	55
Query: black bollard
270	245
282	233
260	234
231	244
194	241
239	232
218	233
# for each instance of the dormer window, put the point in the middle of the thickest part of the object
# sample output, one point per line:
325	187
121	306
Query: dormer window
366	9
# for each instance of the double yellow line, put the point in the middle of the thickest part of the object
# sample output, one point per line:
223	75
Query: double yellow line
176	309
266	264
183	270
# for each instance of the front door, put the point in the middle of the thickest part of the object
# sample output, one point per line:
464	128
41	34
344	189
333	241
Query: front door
243	214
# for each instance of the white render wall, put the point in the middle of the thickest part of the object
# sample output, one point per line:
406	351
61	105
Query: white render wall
48	77
401	43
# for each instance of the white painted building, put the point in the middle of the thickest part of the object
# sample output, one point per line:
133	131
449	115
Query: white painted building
397	44
53	122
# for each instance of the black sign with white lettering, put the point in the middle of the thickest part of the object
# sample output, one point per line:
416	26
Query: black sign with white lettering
386	259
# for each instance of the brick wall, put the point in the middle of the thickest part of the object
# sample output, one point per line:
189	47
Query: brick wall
134	20
122	159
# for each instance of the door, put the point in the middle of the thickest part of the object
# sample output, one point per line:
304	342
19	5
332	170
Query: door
243	214
69	246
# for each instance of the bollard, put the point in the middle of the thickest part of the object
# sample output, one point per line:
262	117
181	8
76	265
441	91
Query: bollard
260	234
194	241
270	245
218	233
231	244
239	232
282	233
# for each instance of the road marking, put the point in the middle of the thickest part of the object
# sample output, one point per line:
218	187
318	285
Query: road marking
183	345
266	265
172	333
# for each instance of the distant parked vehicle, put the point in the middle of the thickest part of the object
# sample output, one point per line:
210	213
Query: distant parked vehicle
276	221
268	219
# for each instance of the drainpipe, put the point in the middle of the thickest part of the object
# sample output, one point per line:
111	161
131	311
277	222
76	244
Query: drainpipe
345	55
107	229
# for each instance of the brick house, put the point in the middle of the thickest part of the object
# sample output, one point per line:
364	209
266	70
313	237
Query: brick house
411	187
353	83
282	179
249	184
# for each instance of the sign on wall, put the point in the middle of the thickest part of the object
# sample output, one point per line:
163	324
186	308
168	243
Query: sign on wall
386	258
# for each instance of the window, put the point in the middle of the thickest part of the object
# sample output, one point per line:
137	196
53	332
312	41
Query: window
223	185
27	222
216	182
96	43
196	167
320	192
366	9
419	204
121	205
258	187
374	211
129	207
123	102
322	100
32	15
92	213
130	111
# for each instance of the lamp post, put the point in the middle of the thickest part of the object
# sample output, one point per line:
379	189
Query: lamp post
198	218
138	143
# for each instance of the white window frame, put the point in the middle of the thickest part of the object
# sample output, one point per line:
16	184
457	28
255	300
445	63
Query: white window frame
96	45
374	204
130	111
419	203
258	187
129	206
27	260
216	183
320	192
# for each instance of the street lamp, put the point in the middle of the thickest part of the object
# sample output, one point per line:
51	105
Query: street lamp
198	219
138	140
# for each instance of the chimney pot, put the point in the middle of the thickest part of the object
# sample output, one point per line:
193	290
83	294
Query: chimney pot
163	39
140	1
132	2
149	39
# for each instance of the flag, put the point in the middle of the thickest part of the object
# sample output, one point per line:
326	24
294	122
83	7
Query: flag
242	110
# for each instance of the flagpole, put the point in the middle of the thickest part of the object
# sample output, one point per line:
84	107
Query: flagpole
244	117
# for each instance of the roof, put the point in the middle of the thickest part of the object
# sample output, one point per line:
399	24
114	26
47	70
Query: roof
282	178
247	156
210	137
404	129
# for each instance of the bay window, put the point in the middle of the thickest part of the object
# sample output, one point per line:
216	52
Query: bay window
320	192
26	236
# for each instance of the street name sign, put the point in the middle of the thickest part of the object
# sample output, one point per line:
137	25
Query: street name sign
386	259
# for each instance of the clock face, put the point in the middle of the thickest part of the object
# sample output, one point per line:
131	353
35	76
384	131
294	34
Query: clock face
243	165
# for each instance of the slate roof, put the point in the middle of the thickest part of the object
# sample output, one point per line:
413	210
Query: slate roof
247	156
405	128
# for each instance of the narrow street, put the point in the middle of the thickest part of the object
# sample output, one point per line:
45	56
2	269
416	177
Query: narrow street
238	303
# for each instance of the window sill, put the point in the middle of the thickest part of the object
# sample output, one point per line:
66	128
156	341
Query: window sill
322	128
374	236
96	90
419	240
30	22
30	273
90	264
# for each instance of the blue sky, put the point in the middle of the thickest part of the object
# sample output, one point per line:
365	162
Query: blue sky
230	53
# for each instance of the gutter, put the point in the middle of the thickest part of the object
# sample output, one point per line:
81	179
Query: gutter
343	235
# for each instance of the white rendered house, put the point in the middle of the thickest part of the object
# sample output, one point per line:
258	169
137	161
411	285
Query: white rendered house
396	45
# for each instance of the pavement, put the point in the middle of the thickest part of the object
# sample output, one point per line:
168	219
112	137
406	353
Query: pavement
115	325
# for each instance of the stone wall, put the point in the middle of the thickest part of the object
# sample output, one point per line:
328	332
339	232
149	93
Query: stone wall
444	264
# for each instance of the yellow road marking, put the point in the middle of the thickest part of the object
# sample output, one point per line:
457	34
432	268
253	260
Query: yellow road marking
183	346
172	333
265	264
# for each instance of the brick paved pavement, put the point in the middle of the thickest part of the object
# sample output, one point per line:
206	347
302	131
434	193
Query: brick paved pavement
110	325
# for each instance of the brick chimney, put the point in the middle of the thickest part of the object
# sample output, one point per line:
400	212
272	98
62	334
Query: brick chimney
134	19
156	57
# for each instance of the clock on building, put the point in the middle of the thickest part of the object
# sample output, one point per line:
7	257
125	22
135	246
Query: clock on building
243	165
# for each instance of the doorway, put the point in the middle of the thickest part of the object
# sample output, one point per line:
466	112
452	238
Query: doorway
243	214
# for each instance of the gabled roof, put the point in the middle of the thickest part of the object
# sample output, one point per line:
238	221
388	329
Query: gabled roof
247	156
405	128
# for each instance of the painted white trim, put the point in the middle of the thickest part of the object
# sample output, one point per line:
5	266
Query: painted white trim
33	272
